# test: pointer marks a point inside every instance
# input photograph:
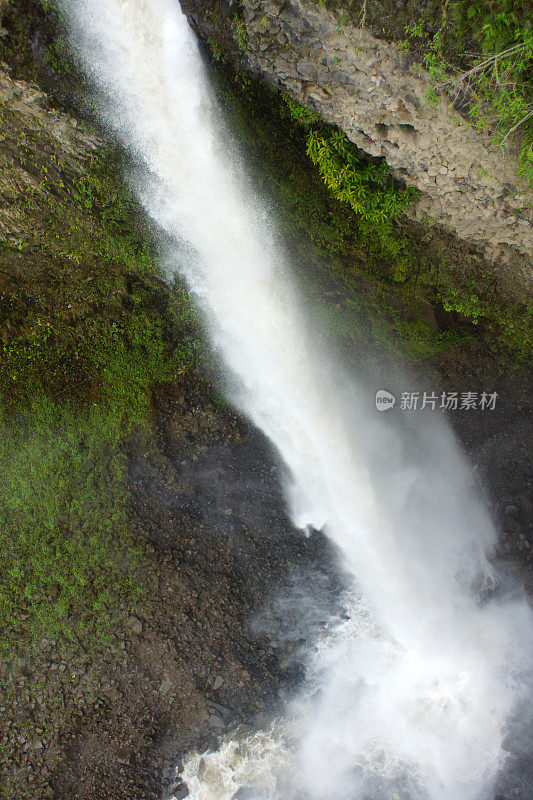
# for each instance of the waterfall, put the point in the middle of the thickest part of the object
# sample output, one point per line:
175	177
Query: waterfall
411	694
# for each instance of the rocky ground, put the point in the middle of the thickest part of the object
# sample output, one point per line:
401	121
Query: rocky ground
217	549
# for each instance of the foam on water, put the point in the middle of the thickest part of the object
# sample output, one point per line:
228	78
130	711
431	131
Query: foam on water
412	693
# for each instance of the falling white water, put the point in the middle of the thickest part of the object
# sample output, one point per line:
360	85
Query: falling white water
412	694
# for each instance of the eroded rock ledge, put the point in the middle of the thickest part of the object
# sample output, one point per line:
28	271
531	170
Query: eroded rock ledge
27	121
364	86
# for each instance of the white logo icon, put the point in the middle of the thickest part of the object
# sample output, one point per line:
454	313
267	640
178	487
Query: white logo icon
384	400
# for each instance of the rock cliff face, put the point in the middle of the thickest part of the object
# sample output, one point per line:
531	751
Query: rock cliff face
28	123
365	86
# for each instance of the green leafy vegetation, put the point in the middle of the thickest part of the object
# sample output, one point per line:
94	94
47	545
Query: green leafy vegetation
502	75
469	305
496	81
240	33
300	114
366	187
365	184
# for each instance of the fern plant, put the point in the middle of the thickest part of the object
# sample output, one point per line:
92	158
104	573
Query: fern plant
366	186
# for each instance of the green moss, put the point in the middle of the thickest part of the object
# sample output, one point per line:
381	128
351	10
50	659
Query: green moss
91	306
87	330
64	543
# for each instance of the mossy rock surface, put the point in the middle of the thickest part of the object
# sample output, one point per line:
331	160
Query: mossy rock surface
86	330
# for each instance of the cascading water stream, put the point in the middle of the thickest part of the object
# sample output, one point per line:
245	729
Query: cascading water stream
414	691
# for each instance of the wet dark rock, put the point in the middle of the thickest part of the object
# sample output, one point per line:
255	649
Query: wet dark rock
216	722
510	510
180	792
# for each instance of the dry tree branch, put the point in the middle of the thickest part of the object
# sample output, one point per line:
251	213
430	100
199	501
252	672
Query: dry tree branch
525	118
492	60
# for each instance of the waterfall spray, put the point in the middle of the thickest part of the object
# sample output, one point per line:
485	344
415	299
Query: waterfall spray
412	693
